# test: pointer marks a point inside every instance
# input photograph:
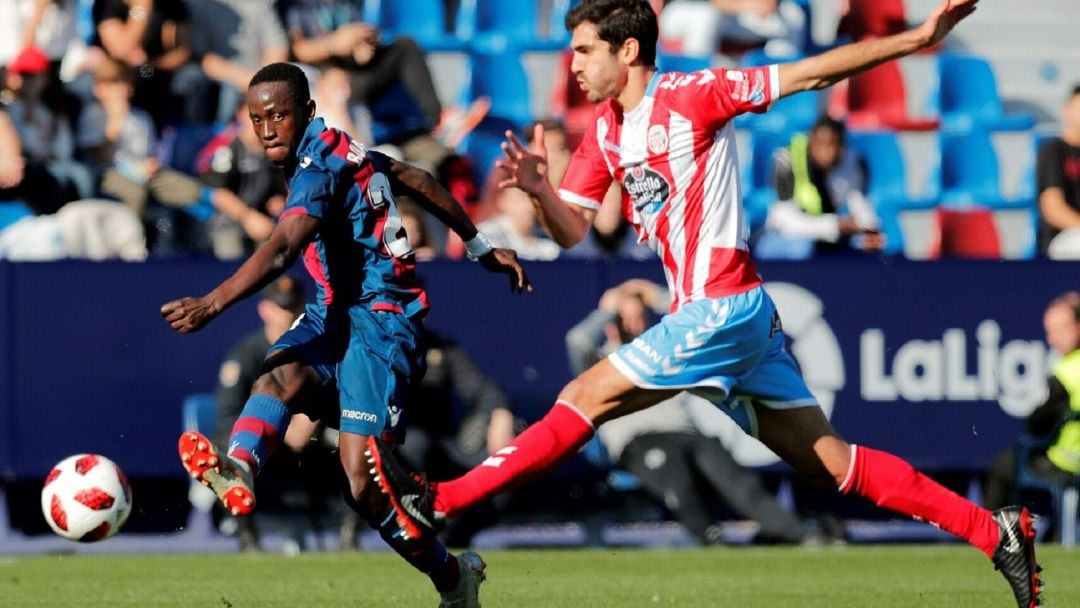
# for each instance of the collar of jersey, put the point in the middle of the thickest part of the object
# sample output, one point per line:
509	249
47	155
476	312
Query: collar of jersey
649	90
311	135
655	80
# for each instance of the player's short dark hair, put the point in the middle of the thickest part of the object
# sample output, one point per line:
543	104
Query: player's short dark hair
288	73
828	122
1074	92
617	21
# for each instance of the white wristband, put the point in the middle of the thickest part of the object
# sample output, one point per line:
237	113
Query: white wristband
478	246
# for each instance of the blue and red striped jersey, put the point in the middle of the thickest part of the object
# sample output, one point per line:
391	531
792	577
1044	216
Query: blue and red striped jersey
360	254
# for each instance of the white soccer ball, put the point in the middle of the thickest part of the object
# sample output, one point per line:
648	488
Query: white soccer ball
86	498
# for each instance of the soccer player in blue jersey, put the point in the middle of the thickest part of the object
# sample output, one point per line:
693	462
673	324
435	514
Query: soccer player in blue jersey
364	330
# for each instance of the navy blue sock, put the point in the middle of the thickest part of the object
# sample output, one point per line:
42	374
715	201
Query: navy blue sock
426	555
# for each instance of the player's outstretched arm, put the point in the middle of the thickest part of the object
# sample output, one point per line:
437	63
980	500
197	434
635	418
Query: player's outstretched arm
269	261
826	69
422	187
567	224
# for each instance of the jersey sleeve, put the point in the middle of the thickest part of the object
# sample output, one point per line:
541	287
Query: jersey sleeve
587	177
311	192
713	97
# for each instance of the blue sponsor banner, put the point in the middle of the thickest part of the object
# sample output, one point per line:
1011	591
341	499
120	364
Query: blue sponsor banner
937	362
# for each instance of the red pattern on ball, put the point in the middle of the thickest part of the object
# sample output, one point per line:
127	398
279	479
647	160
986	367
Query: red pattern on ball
124	483
53	474
84	464
95	498
58	514
96	534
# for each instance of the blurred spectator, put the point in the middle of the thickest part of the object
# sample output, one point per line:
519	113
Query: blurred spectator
698	27
120	140
244	191
85	229
515	227
12	163
820	204
1057	420
46	24
558	155
610	235
153	37
1058	184
383	94
44	132
660	445
309	463
456	416
412	219
390	79
232	39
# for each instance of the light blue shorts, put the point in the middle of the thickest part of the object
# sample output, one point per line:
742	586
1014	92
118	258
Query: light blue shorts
730	350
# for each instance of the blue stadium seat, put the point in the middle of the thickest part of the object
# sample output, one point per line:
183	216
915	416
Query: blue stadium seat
788	115
11	212
518	21
1064	497
968	171
670	62
886	182
482	145
422	20
757	176
557	17
617	479
496	72
967	96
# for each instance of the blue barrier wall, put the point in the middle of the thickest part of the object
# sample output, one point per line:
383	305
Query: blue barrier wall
935	361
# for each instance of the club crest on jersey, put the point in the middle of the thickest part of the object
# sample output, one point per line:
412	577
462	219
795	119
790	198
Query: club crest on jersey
657	140
647	188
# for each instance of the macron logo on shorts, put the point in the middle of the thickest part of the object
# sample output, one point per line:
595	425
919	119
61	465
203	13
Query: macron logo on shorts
361	416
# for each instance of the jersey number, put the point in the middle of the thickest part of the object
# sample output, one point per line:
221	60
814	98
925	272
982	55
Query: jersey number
381	198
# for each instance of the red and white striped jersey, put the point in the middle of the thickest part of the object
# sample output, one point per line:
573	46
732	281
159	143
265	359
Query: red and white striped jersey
674	156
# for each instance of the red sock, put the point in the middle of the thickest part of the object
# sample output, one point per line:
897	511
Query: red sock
541	448
892	483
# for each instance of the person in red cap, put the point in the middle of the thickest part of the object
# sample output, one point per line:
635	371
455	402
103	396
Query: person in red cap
45	135
31	60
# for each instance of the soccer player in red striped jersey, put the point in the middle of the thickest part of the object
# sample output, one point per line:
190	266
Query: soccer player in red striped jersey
363	332
668	140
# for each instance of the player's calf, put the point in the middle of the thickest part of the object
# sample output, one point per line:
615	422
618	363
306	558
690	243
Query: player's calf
231	481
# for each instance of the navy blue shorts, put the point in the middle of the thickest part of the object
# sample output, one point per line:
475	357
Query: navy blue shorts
372	356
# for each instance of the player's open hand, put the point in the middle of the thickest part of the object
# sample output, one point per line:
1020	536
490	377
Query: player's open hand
506	262
527	168
188	315
944	19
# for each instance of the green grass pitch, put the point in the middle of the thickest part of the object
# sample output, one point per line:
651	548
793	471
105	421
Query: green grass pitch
952	576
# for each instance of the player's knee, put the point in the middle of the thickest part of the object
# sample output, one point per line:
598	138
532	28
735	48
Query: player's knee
270	383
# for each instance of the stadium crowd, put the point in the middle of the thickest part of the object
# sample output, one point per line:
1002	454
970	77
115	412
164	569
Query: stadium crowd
136	101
